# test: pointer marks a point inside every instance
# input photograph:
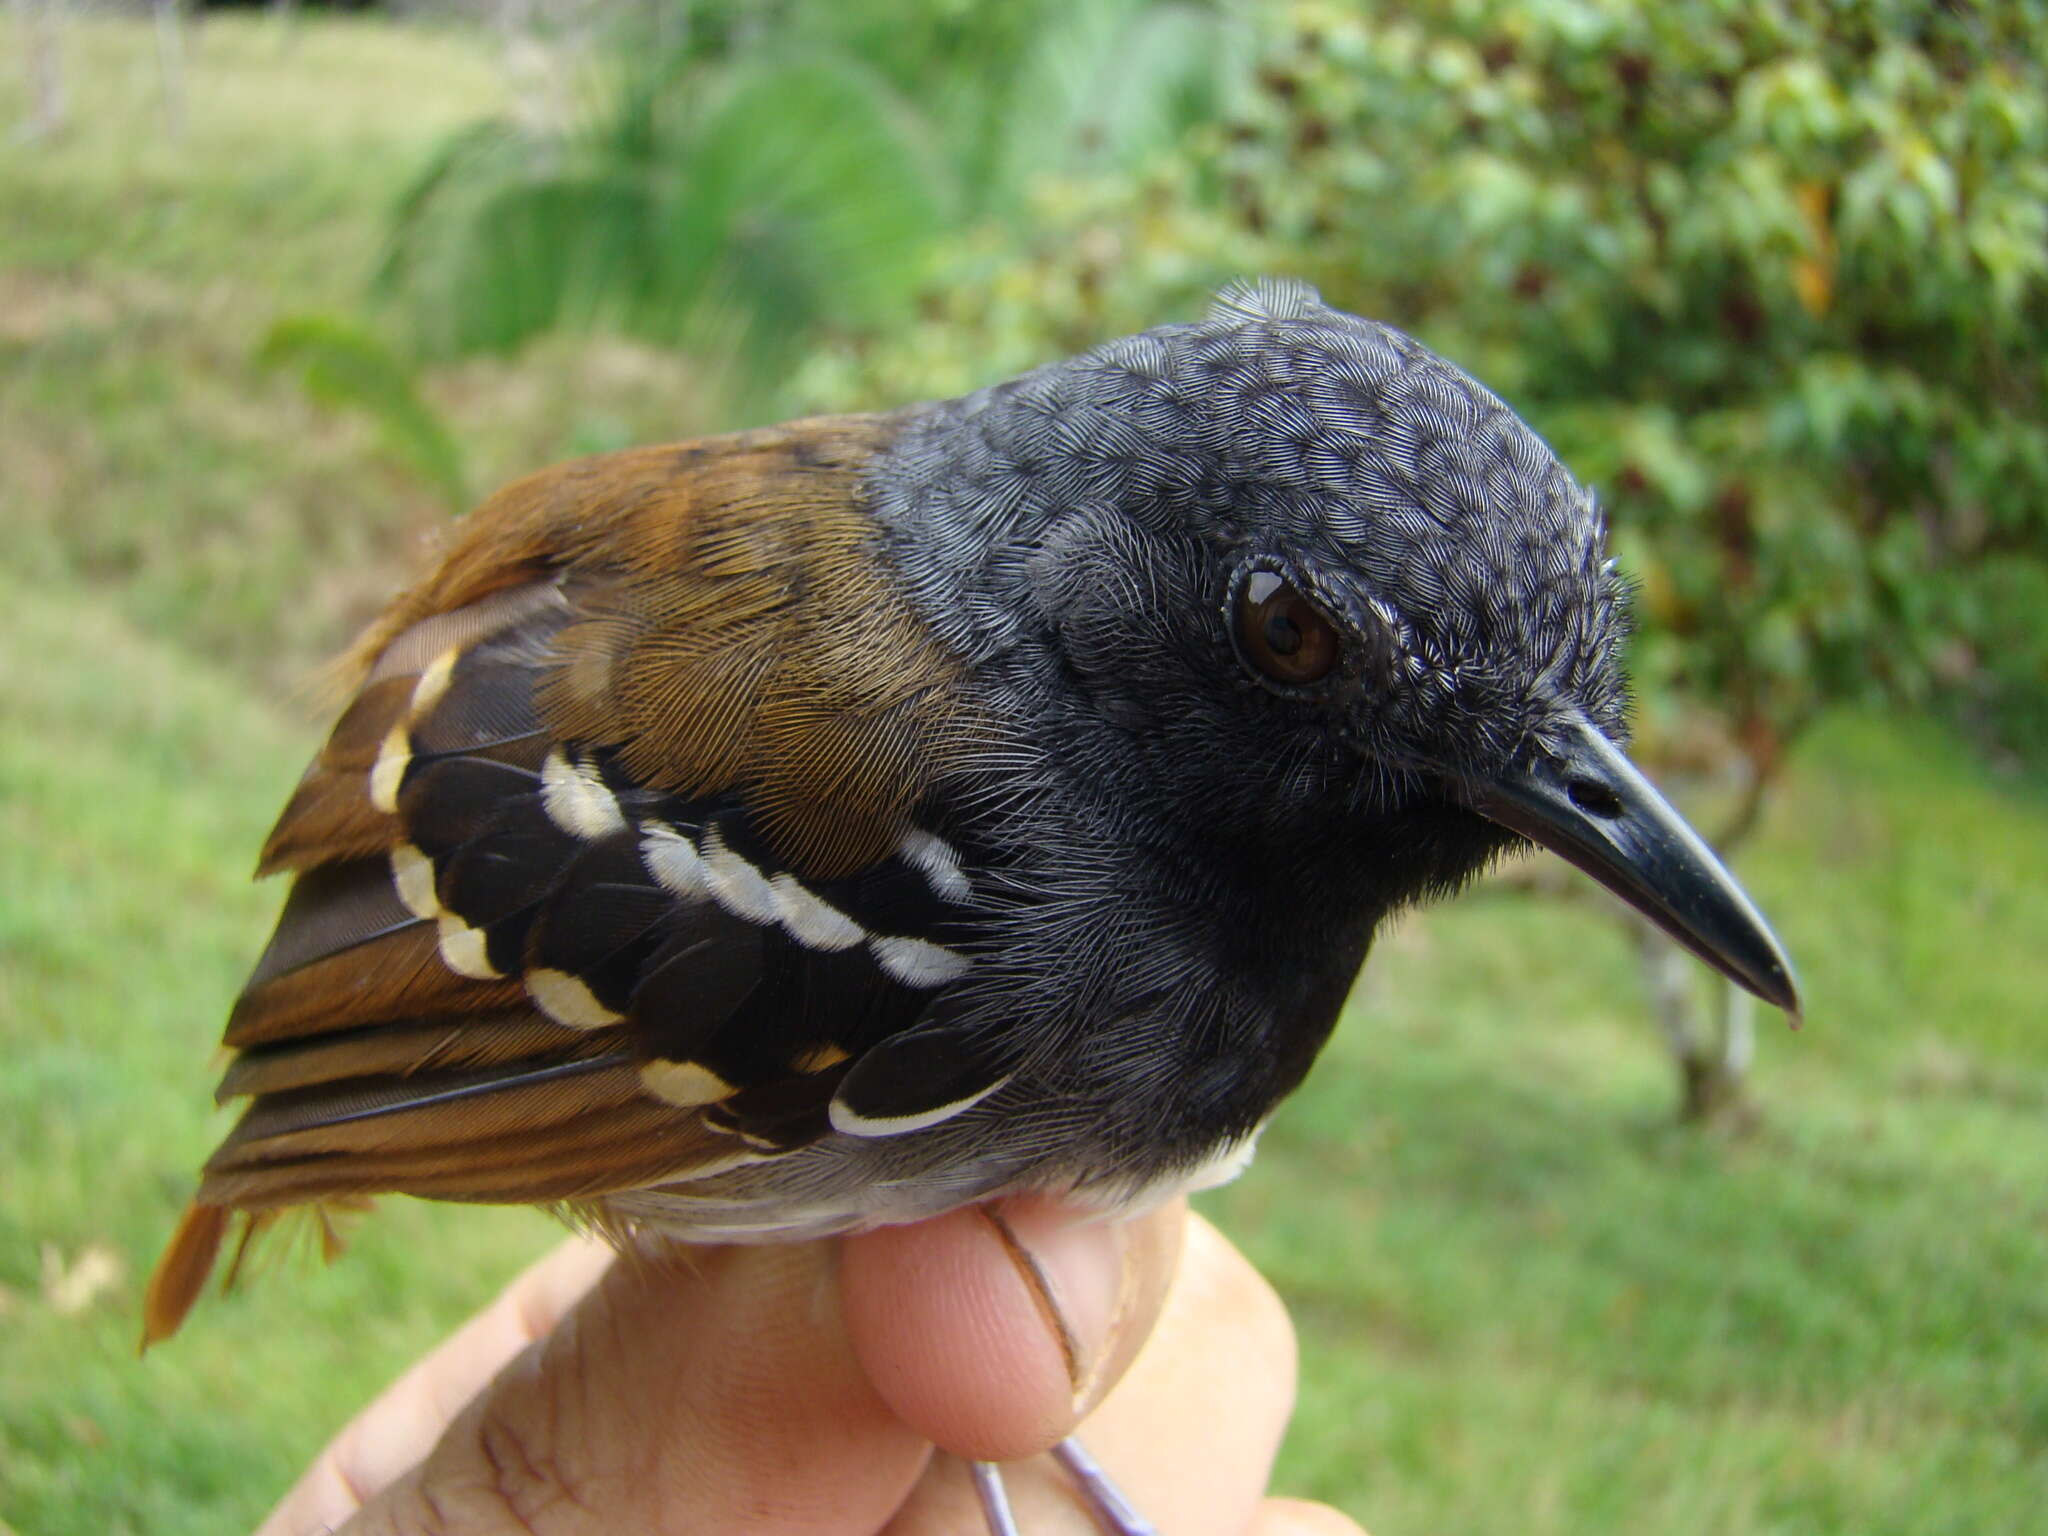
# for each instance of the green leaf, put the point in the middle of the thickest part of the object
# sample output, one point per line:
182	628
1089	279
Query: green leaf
343	364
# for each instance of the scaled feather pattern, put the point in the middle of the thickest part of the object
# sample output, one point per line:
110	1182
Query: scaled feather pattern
785	833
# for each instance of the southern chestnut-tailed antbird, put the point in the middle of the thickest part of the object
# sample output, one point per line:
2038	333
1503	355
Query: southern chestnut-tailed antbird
831	825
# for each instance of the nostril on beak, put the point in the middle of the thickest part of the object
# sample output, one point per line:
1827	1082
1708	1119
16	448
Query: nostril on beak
1594	798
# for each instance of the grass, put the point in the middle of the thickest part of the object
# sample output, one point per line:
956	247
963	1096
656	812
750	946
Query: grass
131	784
146	452
1528	1302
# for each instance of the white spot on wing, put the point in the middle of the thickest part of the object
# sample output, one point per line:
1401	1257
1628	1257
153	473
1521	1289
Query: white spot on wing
738	887
567	1000
812	921
673	860
412	872
938	861
389	770
684	1083
462	950
577	800
918	962
426	693
853	1124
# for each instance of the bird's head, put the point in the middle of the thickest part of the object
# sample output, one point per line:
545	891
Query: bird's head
1285	579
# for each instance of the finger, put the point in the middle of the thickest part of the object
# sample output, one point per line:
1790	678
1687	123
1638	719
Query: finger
713	1389
394	1432
1297	1517
993	1330
1190	1432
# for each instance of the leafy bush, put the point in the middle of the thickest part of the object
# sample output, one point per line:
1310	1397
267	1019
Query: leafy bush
1774	277
768	176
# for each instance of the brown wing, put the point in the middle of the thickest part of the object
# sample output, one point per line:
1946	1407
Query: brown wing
608	873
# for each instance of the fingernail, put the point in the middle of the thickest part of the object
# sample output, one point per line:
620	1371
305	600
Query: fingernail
1078	1267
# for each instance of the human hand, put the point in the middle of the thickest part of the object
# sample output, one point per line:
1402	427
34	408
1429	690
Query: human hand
800	1388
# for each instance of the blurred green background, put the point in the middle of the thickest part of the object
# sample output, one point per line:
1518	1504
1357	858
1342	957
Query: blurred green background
280	289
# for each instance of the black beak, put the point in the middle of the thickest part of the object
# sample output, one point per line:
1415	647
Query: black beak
1591	807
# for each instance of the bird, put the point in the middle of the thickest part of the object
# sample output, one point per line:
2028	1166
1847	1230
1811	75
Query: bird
830	825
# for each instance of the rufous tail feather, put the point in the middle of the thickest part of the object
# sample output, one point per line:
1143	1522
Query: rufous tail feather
180	1275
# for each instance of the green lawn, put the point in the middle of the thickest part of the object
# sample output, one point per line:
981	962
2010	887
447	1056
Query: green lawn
1529	1304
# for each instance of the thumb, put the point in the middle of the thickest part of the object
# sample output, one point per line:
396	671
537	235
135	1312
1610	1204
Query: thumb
994	1330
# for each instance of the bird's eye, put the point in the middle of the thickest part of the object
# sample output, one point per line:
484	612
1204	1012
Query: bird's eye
1282	633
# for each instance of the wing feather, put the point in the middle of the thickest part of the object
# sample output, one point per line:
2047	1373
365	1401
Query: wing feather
597	873
395	1050
627	1144
400	975
425	1109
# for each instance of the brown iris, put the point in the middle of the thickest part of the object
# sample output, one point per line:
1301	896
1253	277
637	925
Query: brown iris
1282	633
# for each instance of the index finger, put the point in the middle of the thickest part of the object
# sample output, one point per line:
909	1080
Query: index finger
403	1423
